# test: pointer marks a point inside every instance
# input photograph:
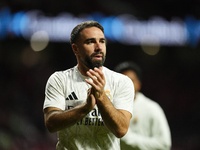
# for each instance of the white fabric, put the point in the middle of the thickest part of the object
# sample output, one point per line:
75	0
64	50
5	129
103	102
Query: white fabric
148	128
90	133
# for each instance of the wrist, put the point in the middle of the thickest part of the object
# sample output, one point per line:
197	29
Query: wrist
102	98
86	108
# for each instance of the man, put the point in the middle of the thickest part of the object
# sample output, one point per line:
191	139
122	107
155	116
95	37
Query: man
88	105
148	128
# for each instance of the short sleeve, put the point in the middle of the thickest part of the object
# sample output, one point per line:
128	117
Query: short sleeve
54	95
124	96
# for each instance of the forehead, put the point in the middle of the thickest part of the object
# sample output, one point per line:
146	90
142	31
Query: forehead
92	32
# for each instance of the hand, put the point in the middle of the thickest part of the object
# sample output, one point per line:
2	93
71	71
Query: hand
90	99
98	82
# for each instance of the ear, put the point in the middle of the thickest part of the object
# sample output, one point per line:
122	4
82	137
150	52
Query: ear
75	49
139	85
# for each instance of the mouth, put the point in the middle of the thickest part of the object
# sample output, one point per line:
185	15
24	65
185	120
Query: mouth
99	56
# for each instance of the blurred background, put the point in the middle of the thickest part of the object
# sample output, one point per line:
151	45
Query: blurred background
161	36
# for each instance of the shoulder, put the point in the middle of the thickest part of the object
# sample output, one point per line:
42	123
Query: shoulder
115	75
61	75
150	107
151	104
118	82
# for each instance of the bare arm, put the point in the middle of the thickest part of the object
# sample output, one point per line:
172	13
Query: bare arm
116	120
57	119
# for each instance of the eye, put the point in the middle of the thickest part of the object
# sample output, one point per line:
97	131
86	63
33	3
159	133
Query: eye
89	41
103	41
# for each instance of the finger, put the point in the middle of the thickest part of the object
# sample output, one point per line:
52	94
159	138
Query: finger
101	68
94	76
95	84
92	72
92	83
89	82
100	76
89	91
99	71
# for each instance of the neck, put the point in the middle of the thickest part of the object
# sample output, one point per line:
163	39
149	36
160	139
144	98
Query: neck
135	95
83	69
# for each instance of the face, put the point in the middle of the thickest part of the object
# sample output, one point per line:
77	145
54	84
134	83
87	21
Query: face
132	75
90	48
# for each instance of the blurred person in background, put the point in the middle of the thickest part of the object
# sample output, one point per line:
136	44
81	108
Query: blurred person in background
149	129
88	105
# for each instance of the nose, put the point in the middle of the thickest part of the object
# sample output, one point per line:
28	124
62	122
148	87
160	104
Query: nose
98	46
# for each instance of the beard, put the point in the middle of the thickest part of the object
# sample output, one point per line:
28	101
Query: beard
91	64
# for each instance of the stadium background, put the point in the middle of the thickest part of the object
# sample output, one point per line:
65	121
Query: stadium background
171	72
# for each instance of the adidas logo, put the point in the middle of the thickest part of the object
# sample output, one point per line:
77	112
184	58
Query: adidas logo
72	96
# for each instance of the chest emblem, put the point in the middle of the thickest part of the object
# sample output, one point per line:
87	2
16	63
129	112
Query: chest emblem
108	94
135	120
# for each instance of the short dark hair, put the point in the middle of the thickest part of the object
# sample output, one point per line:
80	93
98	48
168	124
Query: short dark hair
129	65
76	31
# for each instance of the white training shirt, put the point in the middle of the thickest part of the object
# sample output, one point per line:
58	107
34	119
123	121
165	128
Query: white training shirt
67	89
149	129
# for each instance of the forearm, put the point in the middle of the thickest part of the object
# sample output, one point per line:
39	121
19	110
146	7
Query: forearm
58	119
147	143
114	119
152	143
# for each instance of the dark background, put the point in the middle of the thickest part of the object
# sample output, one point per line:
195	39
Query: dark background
171	77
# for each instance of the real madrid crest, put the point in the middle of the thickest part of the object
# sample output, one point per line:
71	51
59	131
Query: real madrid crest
135	120
108	94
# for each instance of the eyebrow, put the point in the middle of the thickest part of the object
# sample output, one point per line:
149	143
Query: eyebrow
94	39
